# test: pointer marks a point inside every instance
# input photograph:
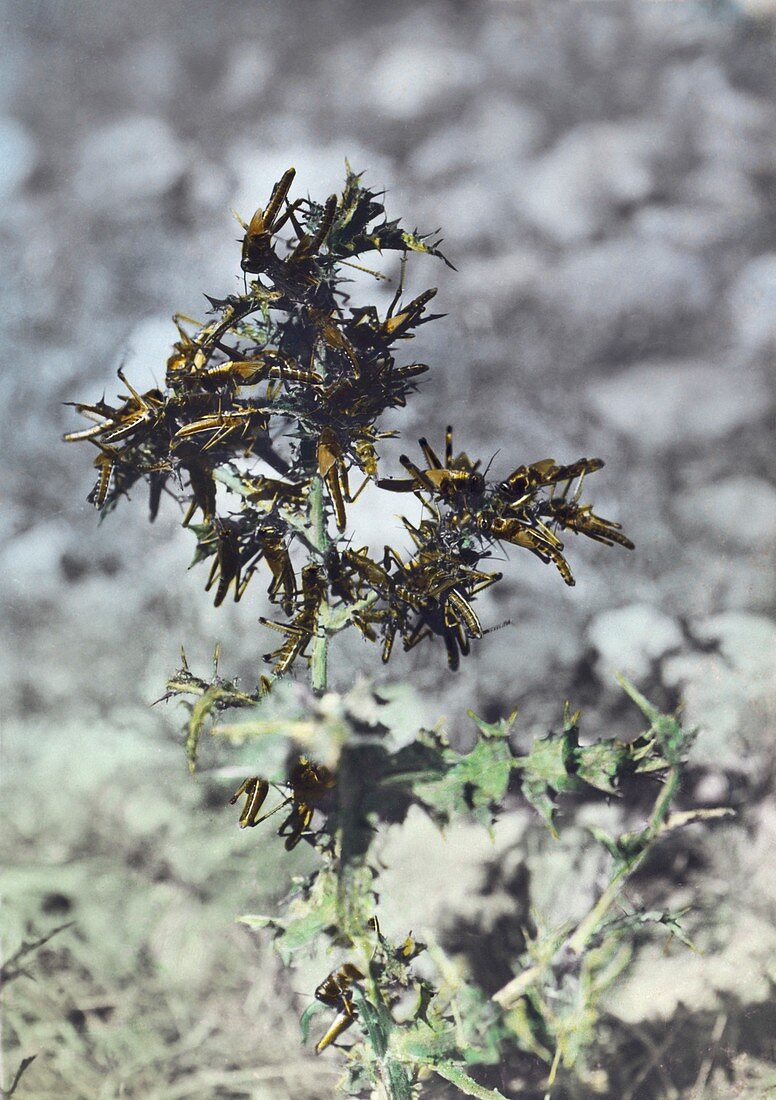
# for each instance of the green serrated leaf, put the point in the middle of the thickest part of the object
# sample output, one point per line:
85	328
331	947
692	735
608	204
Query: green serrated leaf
309	914
550	767
444	782
601	764
496	730
665	728
558	763
470	784
425	1043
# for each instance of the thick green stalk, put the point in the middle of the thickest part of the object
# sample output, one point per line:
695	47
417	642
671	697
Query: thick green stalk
320	539
394	1084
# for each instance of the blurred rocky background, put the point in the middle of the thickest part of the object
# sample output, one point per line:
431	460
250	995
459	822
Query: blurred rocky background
605	179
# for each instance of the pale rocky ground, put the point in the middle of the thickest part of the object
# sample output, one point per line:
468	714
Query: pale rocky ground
605	177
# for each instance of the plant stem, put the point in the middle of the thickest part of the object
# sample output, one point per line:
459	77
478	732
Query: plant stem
588	926
578	940
320	539
393	1081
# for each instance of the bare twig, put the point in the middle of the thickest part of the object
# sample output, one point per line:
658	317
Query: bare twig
12	968
23	1066
708	1062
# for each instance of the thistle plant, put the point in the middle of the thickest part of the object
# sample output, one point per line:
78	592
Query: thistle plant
272	410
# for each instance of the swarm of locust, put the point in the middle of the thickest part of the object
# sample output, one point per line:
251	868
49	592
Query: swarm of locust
280	396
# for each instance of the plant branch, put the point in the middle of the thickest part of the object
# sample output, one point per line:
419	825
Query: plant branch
378	1023
320	538
12	968
587	928
578	939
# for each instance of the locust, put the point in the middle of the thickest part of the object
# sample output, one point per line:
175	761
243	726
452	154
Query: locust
448	481
336	991
309	784
304	624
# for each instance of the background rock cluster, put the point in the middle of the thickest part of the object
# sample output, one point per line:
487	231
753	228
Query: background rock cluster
605	179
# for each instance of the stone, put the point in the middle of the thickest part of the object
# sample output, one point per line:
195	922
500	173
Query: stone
529	648
247	75
18	155
666	403
657	984
148	347
408	79
705	577
752	305
630	639
728	125
572	191
721	190
761	856
30	562
476	216
625	291
376	522
759	9
727	690
150	74
492	137
712	789
209	190
740	511
732	925
690	226
134	159
503	281
554	863
444	885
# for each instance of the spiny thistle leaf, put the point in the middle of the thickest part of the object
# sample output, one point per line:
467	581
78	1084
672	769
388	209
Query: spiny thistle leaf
310	914
447	783
317	909
558	763
671	920
674	741
456	1076
474	783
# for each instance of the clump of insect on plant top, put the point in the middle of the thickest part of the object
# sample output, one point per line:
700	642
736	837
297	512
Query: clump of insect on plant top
278	398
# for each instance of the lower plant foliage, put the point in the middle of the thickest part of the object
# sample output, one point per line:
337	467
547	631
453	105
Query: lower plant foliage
399	1010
